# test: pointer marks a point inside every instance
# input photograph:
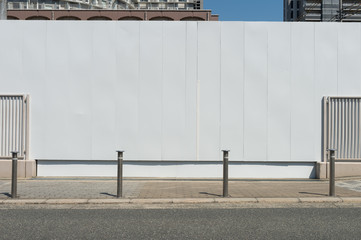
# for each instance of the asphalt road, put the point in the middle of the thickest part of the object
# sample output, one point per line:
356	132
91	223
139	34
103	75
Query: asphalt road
270	223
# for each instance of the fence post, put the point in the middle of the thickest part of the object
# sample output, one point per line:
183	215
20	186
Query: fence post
14	175
225	172
120	175
332	158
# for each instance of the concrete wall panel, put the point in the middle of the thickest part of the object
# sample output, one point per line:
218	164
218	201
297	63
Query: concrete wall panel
11	55
34	78
127	89
150	91
80	80
349	59
191	80
255	91
232	88
279	94
302	92
209	94
326	73
55	116
175	133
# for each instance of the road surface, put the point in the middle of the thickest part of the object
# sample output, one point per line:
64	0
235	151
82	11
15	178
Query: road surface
181	223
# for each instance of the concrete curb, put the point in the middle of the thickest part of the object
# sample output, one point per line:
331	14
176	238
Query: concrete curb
278	200
151	201
109	201
183	201
236	200
67	201
351	200
24	201
321	200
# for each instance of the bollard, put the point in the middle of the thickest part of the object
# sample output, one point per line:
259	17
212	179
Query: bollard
332	158
14	175
225	173
120	175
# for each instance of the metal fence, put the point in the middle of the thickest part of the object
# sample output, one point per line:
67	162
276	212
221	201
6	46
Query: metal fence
13	125
342	122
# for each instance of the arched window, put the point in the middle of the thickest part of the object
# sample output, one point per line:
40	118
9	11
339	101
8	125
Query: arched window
130	19
69	18
161	19
99	18
38	18
12	18
192	19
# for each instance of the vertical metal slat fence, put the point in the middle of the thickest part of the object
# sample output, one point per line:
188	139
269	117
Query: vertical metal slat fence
343	127
13	125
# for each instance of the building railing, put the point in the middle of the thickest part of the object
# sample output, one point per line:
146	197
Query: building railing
108	4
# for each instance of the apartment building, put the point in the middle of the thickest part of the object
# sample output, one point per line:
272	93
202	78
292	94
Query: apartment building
169	4
322	10
106	4
142	10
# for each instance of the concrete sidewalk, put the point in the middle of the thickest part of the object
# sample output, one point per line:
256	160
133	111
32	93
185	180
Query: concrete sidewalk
92	190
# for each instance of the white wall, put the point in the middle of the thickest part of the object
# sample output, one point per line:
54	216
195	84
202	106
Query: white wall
178	90
173	169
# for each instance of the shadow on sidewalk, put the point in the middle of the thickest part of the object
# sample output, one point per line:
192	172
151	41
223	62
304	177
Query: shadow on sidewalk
6	194
211	194
108	194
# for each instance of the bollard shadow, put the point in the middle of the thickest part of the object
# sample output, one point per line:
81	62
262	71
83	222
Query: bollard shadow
6	194
108	194
317	194
211	194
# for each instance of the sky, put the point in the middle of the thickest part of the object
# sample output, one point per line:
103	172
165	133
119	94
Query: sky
246	10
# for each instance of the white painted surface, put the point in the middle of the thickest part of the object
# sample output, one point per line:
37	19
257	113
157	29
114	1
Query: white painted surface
279	92
209	76
150	91
349	39
178	90
174	170
255	91
326	71
191	80
103	91
232	88
127	56
302	92
175	132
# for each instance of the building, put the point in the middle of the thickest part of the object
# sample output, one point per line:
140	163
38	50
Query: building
172	95
105	4
159	10
115	15
322	10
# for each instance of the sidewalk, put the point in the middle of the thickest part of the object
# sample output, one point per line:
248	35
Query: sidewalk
172	191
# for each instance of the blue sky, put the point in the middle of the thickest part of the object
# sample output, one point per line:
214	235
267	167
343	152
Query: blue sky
246	10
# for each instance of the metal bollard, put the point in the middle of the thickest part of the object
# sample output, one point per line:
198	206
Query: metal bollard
120	175
332	158
14	175
225	173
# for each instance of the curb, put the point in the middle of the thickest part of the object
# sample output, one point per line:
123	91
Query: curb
183	201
